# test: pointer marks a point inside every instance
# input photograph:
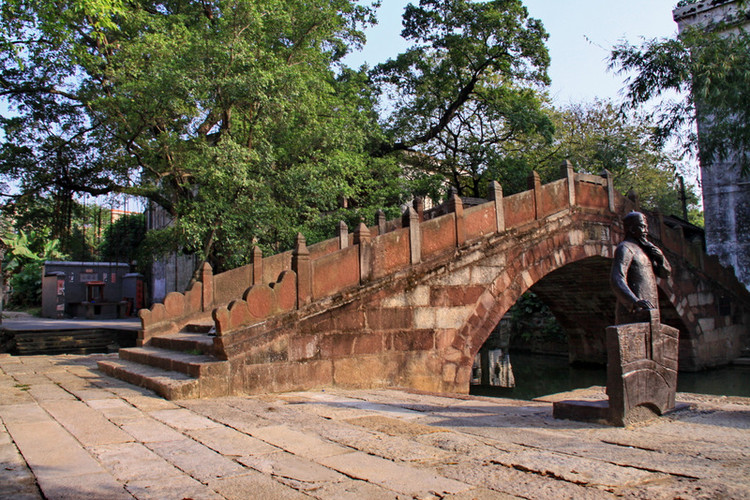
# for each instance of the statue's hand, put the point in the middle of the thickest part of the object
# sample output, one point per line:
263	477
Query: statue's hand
654	253
644	304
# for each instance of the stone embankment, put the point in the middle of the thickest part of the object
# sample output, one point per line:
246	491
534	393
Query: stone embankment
68	431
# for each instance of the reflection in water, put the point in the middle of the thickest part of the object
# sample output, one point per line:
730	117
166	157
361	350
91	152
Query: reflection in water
538	375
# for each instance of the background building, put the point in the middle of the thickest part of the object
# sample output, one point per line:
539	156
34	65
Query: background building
726	194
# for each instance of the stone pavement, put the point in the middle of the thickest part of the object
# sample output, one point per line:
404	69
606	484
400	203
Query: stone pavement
68	431
21	321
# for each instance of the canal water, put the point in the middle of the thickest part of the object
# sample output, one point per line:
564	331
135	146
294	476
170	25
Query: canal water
539	375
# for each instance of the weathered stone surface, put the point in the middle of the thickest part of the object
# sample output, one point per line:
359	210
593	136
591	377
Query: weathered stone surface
376	443
400	478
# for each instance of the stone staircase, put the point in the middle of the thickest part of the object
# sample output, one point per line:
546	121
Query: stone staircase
177	366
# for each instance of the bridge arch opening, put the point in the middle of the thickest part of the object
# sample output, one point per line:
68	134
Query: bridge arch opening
579	299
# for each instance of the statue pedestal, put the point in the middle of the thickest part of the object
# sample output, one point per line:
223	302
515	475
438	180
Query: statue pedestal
641	375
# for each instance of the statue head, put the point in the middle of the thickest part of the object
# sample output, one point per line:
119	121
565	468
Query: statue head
636	225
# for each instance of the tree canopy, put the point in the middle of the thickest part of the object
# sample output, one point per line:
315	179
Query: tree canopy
709	69
239	120
467	90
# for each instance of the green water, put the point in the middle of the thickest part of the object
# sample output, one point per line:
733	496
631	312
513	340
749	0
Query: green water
539	375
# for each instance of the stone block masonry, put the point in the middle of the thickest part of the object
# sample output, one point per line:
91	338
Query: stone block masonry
412	306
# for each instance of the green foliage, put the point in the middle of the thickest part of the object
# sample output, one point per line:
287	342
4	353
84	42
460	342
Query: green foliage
23	265
710	69
239	123
463	94
599	136
122	239
530	317
238	119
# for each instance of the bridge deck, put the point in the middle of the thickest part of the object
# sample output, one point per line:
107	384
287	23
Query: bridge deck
68	431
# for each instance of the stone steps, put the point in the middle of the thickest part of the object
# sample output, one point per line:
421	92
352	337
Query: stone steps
179	366
192	365
168	384
196	343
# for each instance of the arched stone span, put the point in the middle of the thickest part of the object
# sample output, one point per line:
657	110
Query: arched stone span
410	302
576	239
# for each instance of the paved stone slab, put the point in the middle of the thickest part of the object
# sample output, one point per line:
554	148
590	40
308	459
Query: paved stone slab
183	419
195	459
258	485
24	413
182	487
299	443
230	442
75	486
507	481
397	477
86	424
221	410
16	480
147	430
62	468
304	474
116	411
144	402
378	408
394	448
50	392
134	462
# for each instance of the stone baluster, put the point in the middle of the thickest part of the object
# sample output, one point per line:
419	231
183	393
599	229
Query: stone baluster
207	292
566	169
411	219
380	220
496	195
343	235
302	265
610	189
456	205
362	238
633	196
418	205
257	261
535	184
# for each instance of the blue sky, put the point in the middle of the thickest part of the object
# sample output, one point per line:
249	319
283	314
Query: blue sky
582	32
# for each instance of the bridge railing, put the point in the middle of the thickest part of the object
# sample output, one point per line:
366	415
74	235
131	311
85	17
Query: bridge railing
369	253
290	280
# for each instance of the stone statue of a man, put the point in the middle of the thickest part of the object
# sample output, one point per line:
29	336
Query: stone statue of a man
636	265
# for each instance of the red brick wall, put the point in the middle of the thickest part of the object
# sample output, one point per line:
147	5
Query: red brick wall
480	220
390	252
438	235
554	197
335	272
519	209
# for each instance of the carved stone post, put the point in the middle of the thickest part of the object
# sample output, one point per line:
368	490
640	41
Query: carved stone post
456	205
610	189
418	204
380	220
343	235
496	195
633	196
415	238
257	260
535	183
566	169
207	281
362	238
302	266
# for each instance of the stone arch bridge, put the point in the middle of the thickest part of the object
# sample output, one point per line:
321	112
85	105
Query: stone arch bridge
410	302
